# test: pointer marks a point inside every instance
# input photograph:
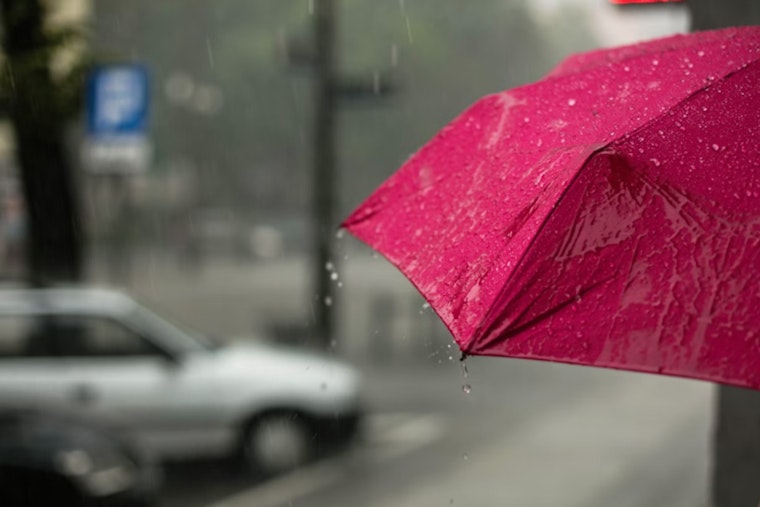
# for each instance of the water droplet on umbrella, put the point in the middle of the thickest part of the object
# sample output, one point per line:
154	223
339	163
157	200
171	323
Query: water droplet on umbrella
655	62
571	102
655	161
700	53
715	147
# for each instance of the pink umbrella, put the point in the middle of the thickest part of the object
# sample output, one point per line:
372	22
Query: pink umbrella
607	215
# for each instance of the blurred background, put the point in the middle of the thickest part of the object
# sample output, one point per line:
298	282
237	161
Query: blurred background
221	208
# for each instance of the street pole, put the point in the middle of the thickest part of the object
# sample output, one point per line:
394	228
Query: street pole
735	478
324	183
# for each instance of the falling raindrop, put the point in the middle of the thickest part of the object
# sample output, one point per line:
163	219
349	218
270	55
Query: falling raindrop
340	234
466	457
328	301
406	20
333	276
329	266
210	53
467	389
394	55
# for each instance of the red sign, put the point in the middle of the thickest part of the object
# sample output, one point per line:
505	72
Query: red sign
625	2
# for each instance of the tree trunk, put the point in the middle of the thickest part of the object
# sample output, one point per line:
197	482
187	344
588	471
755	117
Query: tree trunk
736	444
54	251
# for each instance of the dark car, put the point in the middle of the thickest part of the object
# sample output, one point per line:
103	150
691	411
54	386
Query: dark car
54	458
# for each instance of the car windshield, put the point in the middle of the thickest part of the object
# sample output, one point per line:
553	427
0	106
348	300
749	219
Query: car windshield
179	339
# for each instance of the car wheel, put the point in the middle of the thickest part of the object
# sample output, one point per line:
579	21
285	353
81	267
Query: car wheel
276	443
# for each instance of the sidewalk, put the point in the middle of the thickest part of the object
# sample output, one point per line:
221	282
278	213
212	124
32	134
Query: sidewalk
642	441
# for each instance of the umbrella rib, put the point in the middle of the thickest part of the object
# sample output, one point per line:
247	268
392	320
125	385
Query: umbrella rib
498	332
483	327
687	98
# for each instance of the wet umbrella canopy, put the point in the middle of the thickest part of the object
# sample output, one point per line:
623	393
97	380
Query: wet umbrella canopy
606	215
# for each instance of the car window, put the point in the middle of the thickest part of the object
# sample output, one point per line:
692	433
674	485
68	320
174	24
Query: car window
18	337
84	336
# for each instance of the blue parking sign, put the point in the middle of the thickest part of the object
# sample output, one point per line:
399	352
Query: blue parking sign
117	101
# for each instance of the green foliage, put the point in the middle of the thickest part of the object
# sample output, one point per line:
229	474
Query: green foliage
29	80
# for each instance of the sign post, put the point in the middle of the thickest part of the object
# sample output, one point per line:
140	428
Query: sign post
115	149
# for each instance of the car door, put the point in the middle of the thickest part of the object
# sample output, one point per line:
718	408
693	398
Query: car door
30	373
113	372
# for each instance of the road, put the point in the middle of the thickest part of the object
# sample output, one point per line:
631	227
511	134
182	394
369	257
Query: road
526	434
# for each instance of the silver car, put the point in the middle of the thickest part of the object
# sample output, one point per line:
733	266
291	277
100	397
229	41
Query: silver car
102	353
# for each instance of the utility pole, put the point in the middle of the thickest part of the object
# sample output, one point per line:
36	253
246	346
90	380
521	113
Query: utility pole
324	183
330	91
736	441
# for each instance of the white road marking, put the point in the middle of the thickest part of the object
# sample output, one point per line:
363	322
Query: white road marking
407	437
389	436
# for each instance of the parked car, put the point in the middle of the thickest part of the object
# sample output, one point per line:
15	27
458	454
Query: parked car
102	353
52	458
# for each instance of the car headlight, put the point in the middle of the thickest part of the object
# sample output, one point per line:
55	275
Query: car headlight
101	473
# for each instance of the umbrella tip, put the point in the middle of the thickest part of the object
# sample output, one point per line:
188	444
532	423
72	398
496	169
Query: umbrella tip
463	356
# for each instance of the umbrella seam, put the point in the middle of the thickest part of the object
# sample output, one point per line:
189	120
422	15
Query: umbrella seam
487	317
693	94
